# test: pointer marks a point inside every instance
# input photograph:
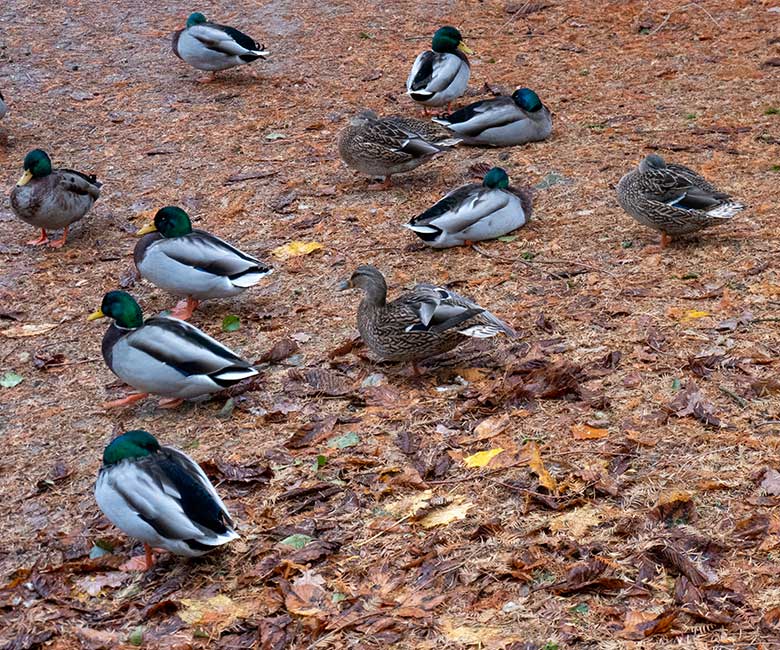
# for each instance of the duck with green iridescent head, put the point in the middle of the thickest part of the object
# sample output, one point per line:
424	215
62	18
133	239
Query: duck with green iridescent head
161	496
192	263
501	121
50	199
474	212
213	47
164	356
440	75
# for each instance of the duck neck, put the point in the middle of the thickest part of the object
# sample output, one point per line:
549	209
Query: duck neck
376	293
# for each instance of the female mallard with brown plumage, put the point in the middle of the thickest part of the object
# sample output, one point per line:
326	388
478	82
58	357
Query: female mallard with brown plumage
427	321
52	198
391	145
673	199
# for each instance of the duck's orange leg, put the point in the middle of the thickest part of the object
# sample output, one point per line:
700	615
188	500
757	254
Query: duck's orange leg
125	401
43	239
665	240
384	185
183	310
169	402
59	243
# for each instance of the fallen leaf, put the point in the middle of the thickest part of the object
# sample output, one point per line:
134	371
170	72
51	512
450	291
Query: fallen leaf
482	458
577	522
307	596
94	584
490	427
297	541
222	470
11	379
674	507
690	401
296	248
771	482
347	440
231	323
219	611
21	331
536	464
586	432
640	625
458	509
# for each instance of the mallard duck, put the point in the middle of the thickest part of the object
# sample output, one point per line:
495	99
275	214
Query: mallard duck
501	121
673	199
164	356
192	263
391	145
427	321
441	74
3	107
212	47
52	198
160	496
474	212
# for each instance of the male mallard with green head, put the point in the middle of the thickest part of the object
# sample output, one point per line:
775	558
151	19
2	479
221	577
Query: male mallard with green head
193	264
213	47
160	496
474	212
164	356
440	75
50	199
501	121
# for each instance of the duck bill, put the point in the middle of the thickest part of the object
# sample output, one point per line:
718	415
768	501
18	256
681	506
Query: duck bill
465	48
146	229
95	315
343	286
26	178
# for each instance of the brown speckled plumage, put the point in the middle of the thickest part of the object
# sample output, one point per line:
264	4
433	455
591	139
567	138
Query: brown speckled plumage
427	321
673	199
391	145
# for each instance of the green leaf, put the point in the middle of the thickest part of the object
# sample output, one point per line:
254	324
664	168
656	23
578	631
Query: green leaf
136	636
553	178
528	255
582	608
227	410
772	111
676	384
337	597
275	136
689	276
507	238
365	35
297	541
319	462
230	323
10	379
347	440
100	549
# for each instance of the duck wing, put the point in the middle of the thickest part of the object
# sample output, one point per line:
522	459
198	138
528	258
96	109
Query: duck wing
190	351
203	251
432	72
78	183
475	118
463	207
226	40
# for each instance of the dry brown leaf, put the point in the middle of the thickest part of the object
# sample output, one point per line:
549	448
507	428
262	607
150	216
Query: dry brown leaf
94	584
31	329
586	432
537	467
576	522
771	482
219	611
640	625
307	596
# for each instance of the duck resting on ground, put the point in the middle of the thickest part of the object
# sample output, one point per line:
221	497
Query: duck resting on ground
50	199
391	145
192	264
212	47
474	212
673	199
164	356
440	75
501	121
425	322
160	496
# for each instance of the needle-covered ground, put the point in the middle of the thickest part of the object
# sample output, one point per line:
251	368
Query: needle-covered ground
629	492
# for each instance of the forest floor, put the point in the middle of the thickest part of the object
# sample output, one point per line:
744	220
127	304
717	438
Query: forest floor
634	499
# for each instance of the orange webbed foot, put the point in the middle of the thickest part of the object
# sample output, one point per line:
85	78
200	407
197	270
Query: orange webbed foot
125	401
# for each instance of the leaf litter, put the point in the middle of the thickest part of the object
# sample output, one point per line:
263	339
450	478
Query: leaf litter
634	496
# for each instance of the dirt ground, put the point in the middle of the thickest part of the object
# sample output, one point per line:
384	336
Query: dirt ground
635	501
